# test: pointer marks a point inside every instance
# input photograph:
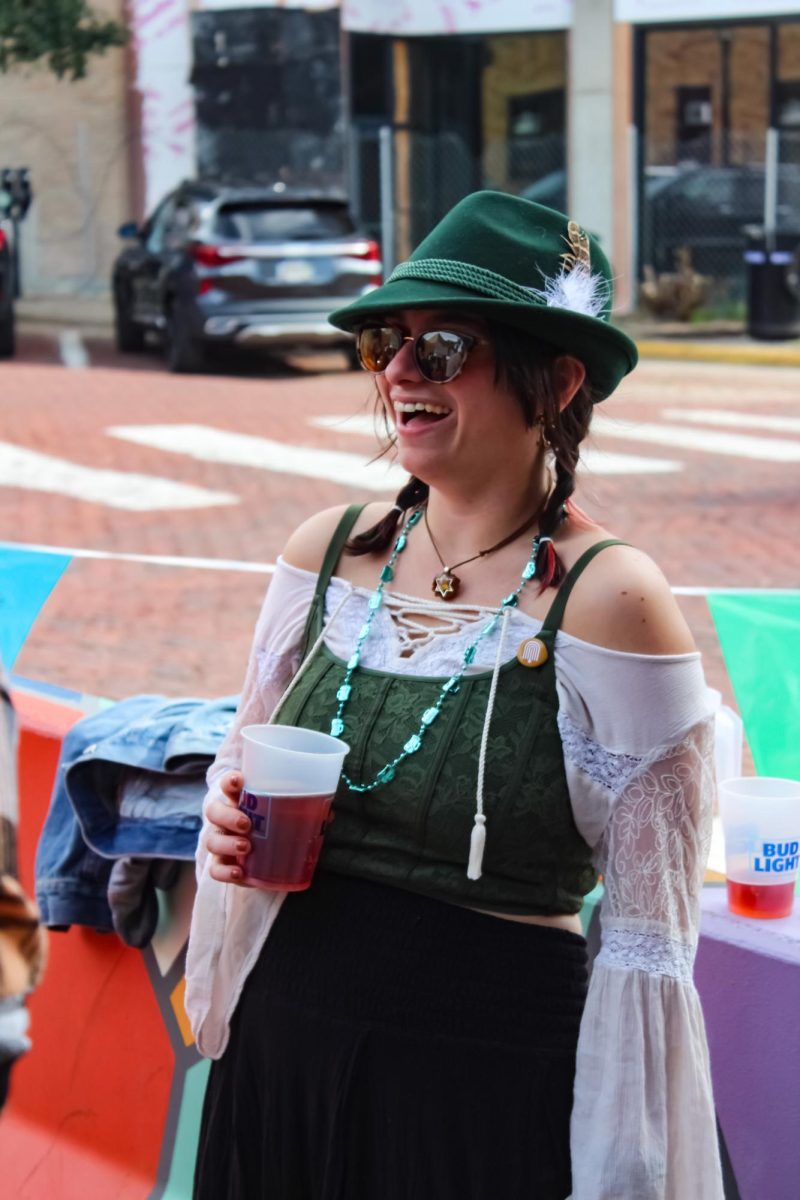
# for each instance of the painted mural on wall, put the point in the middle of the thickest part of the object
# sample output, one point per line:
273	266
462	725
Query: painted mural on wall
455	16
162	45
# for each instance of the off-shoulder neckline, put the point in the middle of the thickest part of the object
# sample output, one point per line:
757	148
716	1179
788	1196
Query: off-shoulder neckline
535	623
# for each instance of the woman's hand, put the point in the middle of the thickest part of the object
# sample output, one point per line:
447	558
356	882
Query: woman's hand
228	839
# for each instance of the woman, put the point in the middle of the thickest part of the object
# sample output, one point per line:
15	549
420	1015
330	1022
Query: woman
525	707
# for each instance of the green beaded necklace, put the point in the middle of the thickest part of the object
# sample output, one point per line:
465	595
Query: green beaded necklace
449	687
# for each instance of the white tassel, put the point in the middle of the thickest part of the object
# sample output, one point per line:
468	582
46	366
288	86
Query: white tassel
477	842
578	291
476	847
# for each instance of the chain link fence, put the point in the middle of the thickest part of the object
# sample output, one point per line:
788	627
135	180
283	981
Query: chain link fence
696	200
700	199
401	182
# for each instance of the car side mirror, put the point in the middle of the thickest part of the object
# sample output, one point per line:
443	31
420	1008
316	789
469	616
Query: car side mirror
129	230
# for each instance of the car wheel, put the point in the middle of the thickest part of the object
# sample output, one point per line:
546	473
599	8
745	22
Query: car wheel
129	336
8	341
183	352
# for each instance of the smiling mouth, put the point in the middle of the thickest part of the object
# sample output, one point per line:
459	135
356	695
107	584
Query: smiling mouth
418	412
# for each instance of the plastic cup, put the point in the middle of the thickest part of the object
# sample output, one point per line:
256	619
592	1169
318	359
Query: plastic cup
290	779
761	824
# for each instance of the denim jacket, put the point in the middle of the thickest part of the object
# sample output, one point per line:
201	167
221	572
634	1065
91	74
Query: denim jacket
130	785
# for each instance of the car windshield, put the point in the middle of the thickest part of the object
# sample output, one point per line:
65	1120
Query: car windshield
282	223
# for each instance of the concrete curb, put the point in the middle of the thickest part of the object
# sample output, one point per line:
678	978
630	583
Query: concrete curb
696	351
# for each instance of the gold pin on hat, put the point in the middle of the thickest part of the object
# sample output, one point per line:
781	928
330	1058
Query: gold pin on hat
532	652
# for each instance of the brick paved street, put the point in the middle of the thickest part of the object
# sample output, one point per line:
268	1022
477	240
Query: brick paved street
720	517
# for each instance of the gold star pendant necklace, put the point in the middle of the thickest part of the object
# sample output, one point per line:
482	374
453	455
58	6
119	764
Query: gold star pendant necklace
446	584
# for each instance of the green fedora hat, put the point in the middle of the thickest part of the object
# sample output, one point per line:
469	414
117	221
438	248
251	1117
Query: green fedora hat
517	263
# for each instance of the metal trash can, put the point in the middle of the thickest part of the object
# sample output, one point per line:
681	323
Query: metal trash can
773	284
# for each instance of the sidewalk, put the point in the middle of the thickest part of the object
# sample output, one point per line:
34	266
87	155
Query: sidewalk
92	315
715	341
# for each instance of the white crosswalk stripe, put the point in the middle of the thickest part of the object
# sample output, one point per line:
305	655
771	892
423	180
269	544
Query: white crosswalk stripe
735	445
734	420
595	460
243	449
23	468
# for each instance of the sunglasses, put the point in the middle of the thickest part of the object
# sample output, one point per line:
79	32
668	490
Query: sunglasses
440	354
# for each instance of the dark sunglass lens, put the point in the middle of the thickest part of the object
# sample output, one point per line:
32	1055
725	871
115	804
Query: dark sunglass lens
377	347
441	355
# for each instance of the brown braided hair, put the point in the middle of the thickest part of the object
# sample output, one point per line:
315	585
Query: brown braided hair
527	366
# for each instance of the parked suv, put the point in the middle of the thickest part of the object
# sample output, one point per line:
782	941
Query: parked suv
247	266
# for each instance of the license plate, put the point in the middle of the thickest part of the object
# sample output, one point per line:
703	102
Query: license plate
294	270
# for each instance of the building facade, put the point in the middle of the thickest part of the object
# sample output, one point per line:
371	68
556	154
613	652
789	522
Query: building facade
602	107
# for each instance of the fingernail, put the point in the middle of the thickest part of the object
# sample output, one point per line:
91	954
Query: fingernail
242	847
236	873
243	823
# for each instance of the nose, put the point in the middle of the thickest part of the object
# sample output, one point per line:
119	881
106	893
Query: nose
403	366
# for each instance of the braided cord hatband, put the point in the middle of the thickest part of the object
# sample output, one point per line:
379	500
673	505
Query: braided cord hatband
474	279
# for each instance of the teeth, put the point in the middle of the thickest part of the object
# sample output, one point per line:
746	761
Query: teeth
436	409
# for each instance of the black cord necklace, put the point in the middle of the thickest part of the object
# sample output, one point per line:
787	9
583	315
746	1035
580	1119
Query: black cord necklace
446	584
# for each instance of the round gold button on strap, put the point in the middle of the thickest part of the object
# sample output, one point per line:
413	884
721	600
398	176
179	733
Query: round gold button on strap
532	652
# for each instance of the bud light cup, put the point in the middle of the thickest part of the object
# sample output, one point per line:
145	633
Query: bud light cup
761	823
290	779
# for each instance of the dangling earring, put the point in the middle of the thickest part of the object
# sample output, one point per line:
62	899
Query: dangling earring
548	437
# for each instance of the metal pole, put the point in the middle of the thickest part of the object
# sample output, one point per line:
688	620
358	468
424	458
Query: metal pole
773	75
725	37
633	208
354	174
643	251
771	187
386	146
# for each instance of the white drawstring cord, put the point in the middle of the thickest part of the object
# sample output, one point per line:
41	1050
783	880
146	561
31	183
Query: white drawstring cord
301	670
477	842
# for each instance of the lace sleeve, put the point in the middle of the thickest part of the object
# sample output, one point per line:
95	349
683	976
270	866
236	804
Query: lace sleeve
643	1123
229	924
274	658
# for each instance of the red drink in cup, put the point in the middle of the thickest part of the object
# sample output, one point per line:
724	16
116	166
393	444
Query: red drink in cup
286	837
761	821
751	900
290	779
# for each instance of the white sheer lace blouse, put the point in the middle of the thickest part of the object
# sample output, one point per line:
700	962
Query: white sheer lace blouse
638	745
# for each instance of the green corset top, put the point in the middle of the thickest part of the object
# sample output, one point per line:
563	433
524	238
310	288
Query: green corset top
414	832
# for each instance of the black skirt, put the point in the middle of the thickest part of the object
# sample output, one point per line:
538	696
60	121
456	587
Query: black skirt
391	1047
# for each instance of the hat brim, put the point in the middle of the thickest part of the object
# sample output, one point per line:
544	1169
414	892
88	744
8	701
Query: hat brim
607	353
